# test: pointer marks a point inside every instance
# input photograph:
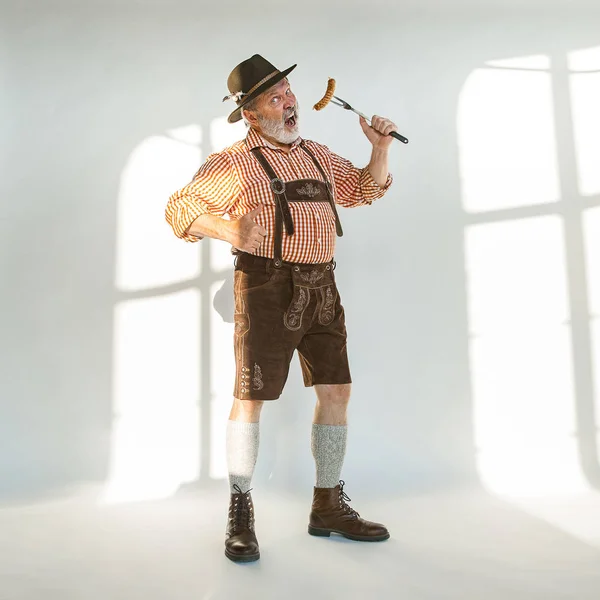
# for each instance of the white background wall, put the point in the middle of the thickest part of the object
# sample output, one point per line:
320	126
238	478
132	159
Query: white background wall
93	385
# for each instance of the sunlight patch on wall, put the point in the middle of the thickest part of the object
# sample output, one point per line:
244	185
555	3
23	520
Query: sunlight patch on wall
591	231
520	357
585	101
538	61
517	275
587	59
224	134
155	440
507	142
148	254
187	134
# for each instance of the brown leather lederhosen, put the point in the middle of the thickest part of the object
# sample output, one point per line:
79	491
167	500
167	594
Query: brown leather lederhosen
298	190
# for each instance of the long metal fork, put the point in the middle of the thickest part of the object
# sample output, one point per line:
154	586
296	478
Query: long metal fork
339	102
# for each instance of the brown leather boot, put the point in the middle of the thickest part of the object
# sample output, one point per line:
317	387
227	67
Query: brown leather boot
330	513
241	544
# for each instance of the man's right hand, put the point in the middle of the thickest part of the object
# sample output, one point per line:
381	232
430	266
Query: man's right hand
245	234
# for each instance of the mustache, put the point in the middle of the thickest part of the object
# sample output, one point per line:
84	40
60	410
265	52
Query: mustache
292	112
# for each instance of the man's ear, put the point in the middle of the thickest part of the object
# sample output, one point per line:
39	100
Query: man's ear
250	116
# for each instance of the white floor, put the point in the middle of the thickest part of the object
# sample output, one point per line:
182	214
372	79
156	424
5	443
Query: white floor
457	545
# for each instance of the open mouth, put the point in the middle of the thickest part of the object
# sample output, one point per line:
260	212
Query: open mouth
291	121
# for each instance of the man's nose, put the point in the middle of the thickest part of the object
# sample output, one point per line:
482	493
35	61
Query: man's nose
290	101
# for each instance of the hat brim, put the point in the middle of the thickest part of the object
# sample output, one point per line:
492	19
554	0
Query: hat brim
236	115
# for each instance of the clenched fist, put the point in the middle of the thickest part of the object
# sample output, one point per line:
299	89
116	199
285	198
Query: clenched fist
378	133
245	234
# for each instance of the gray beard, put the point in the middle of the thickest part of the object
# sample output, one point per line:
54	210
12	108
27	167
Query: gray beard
276	129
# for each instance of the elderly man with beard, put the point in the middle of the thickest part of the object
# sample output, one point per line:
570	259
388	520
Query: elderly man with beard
280	193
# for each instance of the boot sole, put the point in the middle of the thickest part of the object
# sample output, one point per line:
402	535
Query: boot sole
317	531
242	557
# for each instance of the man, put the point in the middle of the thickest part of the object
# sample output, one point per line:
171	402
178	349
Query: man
280	193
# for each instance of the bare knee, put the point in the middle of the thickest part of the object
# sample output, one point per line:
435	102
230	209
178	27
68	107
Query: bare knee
332	404
246	410
338	394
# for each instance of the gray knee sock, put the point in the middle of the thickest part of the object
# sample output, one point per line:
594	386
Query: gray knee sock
328	444
242	451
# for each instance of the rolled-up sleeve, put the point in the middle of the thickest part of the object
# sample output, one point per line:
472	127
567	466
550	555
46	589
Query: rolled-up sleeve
213	190
354	186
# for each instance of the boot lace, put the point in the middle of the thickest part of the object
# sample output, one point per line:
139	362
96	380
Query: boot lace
242	510
344	499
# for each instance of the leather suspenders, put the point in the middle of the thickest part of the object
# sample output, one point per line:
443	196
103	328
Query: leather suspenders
282	208
338	225
283	215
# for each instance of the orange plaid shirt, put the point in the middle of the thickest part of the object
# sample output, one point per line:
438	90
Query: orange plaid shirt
232	182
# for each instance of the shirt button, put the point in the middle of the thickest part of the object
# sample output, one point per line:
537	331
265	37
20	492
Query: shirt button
319	240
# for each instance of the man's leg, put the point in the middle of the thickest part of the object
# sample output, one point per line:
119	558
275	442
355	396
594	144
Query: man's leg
329	432
242	442
330	510
324	361
241	544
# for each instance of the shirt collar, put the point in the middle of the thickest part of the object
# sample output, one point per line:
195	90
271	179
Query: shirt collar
255	140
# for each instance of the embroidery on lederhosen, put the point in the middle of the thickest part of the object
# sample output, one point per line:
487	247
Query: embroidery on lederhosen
240	329
312	277
293	317
241	324
257	380
309	189
326	311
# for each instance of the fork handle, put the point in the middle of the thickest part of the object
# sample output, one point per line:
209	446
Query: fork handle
396	135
